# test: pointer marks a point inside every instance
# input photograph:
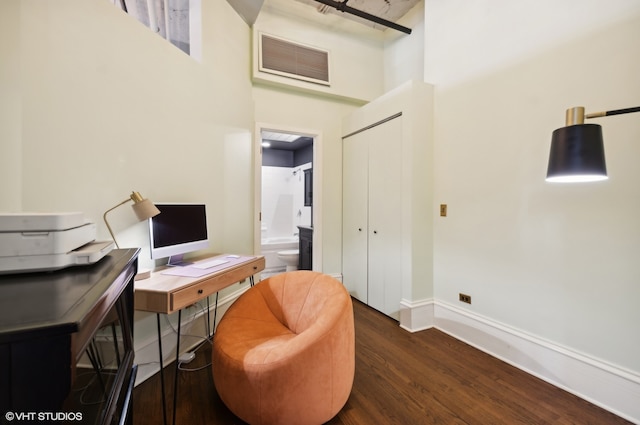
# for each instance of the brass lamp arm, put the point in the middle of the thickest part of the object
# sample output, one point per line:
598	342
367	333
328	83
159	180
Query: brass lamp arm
104	217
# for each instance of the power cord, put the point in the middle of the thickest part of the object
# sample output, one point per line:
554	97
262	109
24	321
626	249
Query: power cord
203	338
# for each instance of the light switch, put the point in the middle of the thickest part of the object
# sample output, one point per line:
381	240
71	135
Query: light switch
443	210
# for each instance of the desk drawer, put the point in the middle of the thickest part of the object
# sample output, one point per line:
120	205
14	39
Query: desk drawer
214	283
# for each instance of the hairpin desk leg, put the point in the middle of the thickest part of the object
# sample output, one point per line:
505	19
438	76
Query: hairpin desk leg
209	319
175	380
215	314
164	401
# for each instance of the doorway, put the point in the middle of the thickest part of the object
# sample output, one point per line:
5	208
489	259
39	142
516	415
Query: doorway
287	201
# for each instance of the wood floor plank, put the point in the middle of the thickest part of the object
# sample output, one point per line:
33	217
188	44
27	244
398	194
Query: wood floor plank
426	377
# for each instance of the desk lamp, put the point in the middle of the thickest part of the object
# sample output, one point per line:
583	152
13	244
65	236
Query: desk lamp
143	208
577	150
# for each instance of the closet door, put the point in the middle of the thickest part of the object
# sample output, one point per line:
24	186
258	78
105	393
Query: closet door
354	215
385	217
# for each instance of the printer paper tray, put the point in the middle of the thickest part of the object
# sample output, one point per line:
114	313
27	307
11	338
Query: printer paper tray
86	254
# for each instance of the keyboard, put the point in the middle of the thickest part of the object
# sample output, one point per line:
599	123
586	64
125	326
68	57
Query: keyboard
203	265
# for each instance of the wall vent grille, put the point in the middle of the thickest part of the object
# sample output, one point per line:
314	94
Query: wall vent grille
282	57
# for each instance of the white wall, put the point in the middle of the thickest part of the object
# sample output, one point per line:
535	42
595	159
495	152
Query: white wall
100	106
558	262
109	107
404	53
10	108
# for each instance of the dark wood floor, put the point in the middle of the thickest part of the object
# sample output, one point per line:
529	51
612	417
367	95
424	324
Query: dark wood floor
401	378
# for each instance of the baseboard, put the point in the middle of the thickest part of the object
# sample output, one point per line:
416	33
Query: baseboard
416	315
192	330
608	386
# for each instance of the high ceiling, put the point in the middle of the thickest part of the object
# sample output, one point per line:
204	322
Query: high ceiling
389	10
323	11
170	18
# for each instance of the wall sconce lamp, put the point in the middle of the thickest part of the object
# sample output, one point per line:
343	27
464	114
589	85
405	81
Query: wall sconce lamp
577	150
143	208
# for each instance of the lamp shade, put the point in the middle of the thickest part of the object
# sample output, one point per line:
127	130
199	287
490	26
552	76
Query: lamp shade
143	208
577	154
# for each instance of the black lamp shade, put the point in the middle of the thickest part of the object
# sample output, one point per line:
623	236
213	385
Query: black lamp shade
577	154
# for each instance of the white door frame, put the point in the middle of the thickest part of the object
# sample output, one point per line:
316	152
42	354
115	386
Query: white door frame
317	186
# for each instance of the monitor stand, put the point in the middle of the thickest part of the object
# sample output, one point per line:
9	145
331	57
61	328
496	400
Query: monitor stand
178	261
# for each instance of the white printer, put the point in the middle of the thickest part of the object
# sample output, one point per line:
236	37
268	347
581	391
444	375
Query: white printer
32	242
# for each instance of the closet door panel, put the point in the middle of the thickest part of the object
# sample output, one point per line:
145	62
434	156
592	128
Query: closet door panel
354	216
385	207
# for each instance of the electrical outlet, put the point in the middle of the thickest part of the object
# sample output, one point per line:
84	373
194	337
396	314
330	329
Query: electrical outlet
465	298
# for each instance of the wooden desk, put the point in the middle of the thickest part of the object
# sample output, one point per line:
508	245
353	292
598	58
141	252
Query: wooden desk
166	293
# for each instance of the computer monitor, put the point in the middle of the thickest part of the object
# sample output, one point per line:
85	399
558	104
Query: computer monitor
178	229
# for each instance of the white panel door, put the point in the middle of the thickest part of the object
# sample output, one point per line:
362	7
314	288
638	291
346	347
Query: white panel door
385	208
354	215
371	218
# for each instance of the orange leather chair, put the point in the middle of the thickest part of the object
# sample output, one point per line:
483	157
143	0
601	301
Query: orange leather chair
284	352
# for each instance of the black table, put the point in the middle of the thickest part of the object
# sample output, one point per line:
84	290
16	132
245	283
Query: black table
58	328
